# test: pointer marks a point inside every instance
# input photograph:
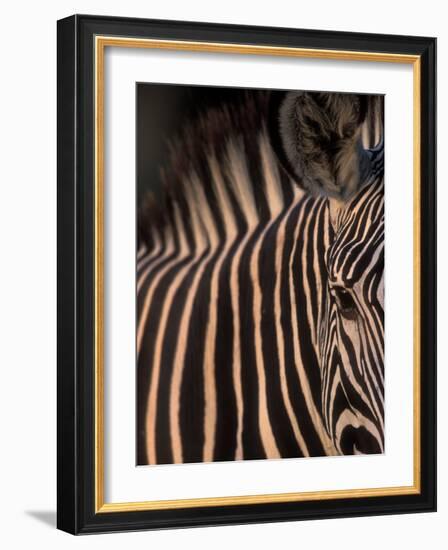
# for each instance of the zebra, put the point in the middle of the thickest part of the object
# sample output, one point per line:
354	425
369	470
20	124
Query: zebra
260	284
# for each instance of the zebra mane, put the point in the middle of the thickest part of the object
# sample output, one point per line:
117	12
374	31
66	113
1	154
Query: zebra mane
244	132
207	136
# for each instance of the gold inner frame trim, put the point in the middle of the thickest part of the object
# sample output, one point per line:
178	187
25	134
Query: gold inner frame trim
101	42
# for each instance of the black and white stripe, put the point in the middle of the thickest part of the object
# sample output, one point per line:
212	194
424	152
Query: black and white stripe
260	323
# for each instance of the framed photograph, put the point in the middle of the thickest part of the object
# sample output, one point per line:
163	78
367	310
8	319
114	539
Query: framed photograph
246	274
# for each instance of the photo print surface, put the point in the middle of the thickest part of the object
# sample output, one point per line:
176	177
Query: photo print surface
260	274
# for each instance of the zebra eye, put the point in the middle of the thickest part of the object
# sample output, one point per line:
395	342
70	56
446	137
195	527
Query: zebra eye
344	301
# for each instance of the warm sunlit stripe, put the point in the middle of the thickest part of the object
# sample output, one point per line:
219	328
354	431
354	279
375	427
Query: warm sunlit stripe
327	346
231	232
161	330
306	236
266	433
274	199
205	236
351	332
304	382
149	267
279	249
242	189
372	320
375	392
143	259
141	251
236	359
183	251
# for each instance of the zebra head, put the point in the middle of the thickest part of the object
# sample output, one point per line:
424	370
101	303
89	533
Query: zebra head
319	139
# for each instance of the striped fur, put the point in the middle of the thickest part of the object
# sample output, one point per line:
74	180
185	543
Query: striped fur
260	325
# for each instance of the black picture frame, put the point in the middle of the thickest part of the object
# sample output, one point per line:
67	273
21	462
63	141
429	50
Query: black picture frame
76	508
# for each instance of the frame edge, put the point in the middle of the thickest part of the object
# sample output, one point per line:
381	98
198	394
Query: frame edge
67	453
72	515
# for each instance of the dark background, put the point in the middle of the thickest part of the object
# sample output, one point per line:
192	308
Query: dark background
162	111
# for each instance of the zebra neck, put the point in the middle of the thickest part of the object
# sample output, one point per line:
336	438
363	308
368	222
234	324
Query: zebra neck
371	169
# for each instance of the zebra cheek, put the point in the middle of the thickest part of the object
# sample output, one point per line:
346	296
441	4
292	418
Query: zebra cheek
350	332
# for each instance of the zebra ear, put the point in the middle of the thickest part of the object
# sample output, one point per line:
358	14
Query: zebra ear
317	139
